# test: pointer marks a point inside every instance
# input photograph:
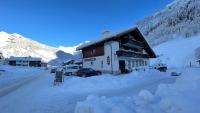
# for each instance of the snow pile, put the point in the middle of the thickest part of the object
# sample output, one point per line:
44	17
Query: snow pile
181	97
95	104
178	52
112	83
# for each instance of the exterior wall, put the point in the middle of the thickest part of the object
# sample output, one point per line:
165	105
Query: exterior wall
22	63
1	58
135	63
101	62
25	63
106	63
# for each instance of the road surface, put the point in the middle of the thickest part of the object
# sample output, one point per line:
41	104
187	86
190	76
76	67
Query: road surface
38	95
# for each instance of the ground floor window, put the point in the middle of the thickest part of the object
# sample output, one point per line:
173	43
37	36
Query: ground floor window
138	62
91	63
101	64
129	64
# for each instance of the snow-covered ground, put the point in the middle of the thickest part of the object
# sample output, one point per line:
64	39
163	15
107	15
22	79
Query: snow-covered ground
178	52
38	95
183	96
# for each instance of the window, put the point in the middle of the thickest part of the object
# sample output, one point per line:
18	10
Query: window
101	64
145	63
129	64
142	63
136	63
91	63
133	64
93	51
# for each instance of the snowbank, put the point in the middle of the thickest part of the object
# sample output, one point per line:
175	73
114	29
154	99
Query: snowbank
109	82
181	97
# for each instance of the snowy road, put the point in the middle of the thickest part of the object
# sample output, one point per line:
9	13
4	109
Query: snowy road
37	95
13	85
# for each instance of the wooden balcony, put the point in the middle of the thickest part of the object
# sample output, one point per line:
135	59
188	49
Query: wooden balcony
133	44
124	53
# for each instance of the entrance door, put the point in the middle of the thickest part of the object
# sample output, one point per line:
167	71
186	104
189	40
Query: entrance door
122	66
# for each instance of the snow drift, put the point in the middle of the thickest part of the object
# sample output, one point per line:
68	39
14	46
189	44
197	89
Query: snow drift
180	97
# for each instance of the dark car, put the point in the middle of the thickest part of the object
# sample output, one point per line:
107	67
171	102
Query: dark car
175	74
87	72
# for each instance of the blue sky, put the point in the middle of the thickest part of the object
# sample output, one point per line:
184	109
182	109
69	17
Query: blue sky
70	22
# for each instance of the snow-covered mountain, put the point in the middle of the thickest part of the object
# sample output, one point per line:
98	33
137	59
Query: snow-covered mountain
181	18
71	50
17	45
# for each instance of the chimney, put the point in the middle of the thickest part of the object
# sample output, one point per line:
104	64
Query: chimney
106	34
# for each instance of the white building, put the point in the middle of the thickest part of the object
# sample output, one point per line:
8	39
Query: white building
24	61
119	53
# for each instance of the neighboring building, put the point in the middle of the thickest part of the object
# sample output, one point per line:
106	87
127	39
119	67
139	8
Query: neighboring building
117	53
1	57
68	62
24	61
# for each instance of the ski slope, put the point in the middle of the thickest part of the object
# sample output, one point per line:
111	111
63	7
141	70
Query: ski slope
178	52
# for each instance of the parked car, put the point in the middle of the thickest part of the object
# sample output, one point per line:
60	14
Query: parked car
71	69
87	72
161	67
175	74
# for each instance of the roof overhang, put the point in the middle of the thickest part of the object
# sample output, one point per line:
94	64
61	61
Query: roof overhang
116	36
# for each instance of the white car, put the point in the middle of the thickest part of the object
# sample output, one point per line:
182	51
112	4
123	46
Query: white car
71	69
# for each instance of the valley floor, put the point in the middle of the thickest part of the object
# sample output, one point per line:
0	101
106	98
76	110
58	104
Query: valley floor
28	90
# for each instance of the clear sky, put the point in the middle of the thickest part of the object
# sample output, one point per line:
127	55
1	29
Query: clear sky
70	22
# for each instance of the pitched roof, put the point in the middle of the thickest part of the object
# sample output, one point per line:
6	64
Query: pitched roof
118	35
24	58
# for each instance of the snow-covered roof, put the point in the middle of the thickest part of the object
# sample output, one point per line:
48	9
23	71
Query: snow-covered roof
118	35
111	36
24	58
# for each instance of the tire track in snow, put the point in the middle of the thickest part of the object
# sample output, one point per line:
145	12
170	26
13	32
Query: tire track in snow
16	84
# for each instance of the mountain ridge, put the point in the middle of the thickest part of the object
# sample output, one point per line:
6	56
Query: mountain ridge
20	46
181	18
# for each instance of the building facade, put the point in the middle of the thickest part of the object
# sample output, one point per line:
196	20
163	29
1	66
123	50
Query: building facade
24	61
119	53
1	58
